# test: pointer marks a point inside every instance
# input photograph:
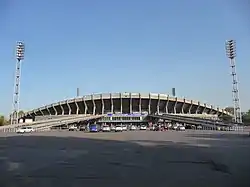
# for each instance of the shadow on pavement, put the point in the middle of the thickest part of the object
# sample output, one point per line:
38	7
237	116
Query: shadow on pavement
222	135
45	161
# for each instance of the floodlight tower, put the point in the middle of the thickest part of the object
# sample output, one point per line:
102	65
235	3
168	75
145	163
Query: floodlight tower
19	56
231	54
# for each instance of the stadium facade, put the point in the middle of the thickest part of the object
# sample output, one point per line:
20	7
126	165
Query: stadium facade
125	107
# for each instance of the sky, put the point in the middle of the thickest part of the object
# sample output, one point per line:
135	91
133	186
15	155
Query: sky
123	46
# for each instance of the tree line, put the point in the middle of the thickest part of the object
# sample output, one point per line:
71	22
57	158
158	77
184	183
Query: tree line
3	121
245	116
6	121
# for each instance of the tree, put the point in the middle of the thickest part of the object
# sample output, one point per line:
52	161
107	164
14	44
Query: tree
21	112
229	109
226	118
246	117
2	120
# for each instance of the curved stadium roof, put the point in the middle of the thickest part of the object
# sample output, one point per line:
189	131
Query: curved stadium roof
105	103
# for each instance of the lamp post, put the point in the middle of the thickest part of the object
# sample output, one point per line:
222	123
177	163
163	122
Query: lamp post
19	56
231	54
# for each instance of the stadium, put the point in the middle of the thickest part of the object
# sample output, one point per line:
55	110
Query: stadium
124	107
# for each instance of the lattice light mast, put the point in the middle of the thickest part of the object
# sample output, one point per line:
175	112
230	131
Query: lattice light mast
231	54
19	56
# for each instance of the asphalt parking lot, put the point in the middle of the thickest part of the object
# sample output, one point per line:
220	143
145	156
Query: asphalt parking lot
62	158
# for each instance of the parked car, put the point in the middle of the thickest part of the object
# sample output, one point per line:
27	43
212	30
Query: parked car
25	130
106	128
169	125
94	128
143	127
73	128
133	128
199	127
180	128
175	127
112	128
124	127
118	128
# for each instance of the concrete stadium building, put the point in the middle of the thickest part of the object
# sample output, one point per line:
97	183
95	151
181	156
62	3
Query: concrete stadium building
123	107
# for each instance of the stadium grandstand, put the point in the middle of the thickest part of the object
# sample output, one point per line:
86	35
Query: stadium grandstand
123	107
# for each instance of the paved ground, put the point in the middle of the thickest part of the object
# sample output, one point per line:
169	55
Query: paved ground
192	158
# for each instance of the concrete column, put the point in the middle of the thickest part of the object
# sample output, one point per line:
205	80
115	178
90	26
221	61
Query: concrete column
47	108
175	104
149	104
94	106
85	106
53	106
121	101
77	107
204	108
196	112
103	107
158	104
190	107
140	110
61	108
166	107
218	111
211	109
112	103
130	104
69	107
41	111
182	107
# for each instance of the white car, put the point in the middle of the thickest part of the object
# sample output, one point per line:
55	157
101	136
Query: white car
175	127
112	128
72	128
124	128
143	127
180	128
25	130
199	127
106	128
118	128
133	128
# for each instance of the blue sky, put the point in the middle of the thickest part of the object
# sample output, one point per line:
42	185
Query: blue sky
132	45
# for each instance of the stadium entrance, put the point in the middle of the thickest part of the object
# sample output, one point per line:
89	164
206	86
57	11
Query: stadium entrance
123	119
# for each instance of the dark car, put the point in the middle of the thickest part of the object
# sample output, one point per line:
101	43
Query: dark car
94	128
